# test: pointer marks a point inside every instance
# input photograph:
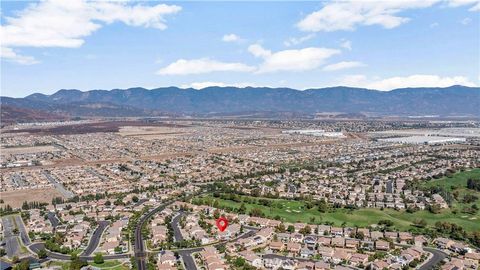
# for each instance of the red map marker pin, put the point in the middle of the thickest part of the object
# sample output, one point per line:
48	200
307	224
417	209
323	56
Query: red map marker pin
222	223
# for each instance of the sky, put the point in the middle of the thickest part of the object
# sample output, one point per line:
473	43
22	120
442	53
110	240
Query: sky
383	45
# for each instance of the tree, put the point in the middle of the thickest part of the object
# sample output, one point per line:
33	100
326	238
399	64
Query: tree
322	206
281	228
385	222
420	222
305	230
23	265
473	184
2	252
239	262
216	213
135	199
42	253
434	208
98	258
242	209
76	263
291	229
15	259
256	212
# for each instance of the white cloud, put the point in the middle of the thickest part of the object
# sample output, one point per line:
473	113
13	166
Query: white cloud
202	65
230	38
466	21
291	60
346	44
475	8
475	4
348	15
258	51
296	41
433	25
343	65
418	80
57	23
10	55
201	85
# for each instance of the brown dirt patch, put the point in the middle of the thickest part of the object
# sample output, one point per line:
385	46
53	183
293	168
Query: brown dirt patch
17	197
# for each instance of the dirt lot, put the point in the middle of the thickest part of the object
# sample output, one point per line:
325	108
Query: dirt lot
17	197
27	150
152	133
110	126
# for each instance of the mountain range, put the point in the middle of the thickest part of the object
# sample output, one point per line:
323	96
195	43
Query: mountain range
261	101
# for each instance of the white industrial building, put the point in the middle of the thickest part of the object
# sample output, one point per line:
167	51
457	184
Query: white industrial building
424	140
314	132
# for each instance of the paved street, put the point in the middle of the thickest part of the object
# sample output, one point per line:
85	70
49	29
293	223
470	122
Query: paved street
22	230
187	258
139	247
177	234
12	245
96	237
53	219
438	256
66	193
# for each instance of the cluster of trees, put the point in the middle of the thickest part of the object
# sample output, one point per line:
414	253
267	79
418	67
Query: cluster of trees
55	244
6	210
42	253
385	222
420	223
239	263
98	258
469	198
22	265
473	184
456	232
76	263
33	205
451	229
472	210
256	212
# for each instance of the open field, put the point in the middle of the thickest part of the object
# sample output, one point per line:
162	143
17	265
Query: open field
27	150
17	197
152	133
296	211
108	126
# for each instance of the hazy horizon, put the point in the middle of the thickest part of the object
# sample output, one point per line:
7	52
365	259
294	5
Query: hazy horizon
47	46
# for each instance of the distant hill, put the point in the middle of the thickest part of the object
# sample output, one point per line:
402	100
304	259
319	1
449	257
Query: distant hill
218	101
11	115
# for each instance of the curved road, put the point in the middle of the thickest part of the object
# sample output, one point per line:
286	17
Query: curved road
139	246
96	237
177	234
437	257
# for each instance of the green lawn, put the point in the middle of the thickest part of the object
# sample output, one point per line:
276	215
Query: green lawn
111	265
458	180
114	264
296	211
457	183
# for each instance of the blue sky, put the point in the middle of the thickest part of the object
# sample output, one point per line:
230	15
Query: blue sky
52	45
